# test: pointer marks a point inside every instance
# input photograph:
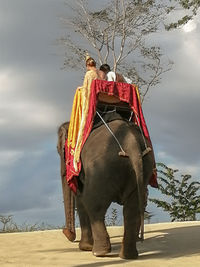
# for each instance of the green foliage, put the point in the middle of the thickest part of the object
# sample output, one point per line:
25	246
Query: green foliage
179	23
189	6
148	216
192	5
183	198
112	220
5	220
9	226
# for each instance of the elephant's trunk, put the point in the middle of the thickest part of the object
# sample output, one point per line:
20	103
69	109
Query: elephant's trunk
69	206
68	196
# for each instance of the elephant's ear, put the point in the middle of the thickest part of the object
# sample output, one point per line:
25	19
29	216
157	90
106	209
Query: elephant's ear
62	136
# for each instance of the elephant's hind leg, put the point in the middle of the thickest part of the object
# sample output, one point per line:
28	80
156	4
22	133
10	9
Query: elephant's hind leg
101	245
131	217
86	242
101	238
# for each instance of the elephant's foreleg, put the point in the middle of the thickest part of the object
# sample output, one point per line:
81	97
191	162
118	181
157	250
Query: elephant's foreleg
131	217
86	242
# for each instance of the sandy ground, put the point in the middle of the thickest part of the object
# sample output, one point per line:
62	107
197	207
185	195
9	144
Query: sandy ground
166	244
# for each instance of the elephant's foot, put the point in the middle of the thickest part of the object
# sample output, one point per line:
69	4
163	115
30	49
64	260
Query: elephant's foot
128	253
100	250
101	253
71	236
86	245
139	239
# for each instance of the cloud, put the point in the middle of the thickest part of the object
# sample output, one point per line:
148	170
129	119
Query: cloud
193	170
32	182
28	31
32	106
183	167
7	158
189	27
172	109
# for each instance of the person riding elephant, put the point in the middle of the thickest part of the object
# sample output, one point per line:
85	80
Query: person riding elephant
113	76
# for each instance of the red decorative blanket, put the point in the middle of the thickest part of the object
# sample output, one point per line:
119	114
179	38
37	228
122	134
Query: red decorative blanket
125	92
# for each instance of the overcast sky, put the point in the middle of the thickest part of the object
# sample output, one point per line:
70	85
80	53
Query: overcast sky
36	97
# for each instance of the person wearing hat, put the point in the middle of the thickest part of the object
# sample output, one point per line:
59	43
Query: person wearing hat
84	91
92	72
81	106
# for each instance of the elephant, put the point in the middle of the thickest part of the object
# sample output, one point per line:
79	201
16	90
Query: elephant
109	176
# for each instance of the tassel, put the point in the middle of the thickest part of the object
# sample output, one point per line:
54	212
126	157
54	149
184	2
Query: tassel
123	154
146	151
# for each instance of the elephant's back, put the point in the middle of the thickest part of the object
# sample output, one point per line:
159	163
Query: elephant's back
101	150
101	141
103	167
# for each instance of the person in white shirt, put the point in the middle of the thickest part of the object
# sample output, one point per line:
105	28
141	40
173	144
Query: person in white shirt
112	76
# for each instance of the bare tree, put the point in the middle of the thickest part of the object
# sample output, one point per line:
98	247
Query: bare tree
118	32
5	220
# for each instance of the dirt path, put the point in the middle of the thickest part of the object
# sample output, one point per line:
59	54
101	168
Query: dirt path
166	244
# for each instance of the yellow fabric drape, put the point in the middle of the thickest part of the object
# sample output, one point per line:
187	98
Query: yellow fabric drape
86	90
79	115
75	119
138	93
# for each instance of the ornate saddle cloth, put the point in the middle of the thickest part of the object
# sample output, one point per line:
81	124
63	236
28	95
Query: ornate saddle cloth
123	97
119	107
111	112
